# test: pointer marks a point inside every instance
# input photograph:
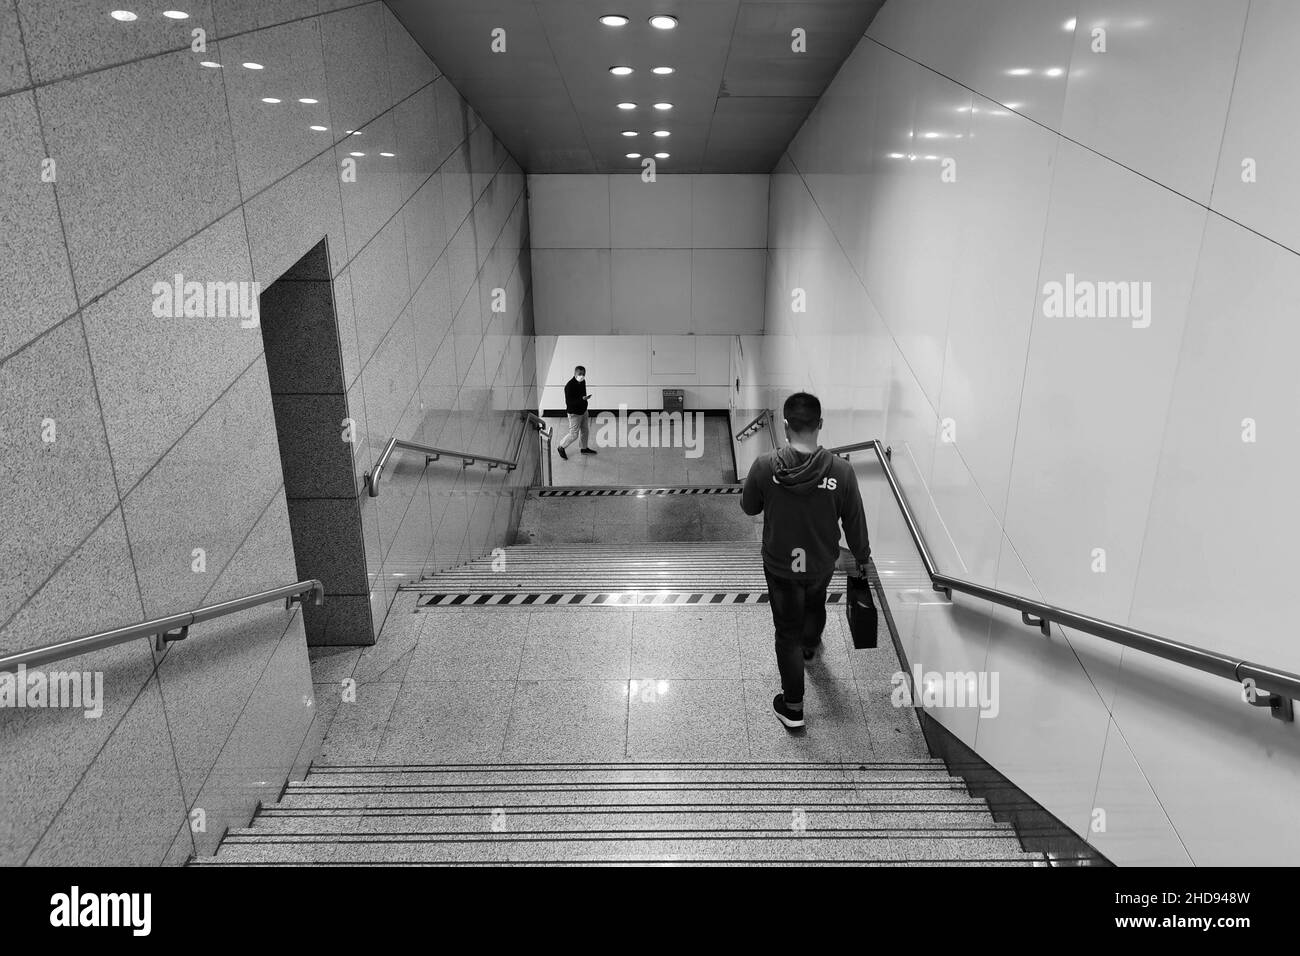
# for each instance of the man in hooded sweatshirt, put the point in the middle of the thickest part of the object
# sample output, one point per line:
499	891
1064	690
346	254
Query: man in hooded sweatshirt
804	493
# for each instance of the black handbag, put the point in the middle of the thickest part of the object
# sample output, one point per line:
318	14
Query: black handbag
863	618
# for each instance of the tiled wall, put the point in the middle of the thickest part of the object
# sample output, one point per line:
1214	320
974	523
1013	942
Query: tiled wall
128	441
634	370
681	255
1028	441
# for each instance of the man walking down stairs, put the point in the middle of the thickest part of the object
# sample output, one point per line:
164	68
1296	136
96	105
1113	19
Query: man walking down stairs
804	494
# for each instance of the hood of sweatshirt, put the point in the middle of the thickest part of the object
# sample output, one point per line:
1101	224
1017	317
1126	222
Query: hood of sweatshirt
800	471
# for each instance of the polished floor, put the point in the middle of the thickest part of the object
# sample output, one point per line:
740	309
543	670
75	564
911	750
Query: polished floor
448	685
624	465
607	683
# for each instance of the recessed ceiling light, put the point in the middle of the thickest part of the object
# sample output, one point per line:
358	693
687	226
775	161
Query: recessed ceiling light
633	155
211	64
126	16
662	133
663	22
176	15
269	99
620	70
614	20
356	154
1019	71
1055	71
319	129
627	106
386	154
663	106
663	70
252	66
308	100
629	132
661	155
355	132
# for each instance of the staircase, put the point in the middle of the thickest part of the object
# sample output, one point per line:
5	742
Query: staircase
749	814
591	548
674	566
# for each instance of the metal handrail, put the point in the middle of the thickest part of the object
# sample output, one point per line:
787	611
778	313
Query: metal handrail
466	459
540	423
765	419
1269	687
164	630
544	433
430	454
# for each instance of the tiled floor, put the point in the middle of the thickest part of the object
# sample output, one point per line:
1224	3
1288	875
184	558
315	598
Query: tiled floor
614	465
517	684
556	684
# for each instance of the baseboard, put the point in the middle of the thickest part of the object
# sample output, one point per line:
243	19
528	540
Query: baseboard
1037	828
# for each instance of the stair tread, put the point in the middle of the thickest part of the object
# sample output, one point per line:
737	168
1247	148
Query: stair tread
709	821
1031	860
615	812
787	846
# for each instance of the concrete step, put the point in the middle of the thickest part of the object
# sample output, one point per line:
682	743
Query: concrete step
628	774
1020	861
784	767
966	820
755	812
478	798
628	846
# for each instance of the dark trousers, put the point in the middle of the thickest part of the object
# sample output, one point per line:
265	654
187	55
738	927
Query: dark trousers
799	613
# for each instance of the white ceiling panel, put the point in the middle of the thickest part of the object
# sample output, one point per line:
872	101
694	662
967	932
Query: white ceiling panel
739	93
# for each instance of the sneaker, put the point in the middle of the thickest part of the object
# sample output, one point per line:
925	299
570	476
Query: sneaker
792	719
588	451
562	454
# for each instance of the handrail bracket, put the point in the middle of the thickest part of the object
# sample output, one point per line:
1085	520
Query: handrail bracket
1283	708
317	597
1038	622
163	638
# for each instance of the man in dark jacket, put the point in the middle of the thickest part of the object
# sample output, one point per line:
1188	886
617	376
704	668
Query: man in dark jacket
804	493
575	406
